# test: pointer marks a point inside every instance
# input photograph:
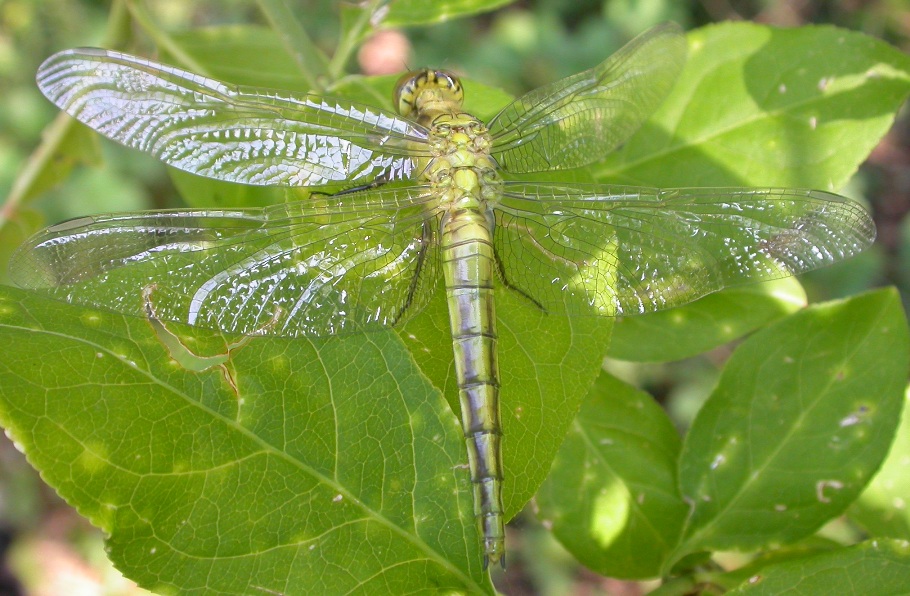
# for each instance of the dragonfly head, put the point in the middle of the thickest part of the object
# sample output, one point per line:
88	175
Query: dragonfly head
428	90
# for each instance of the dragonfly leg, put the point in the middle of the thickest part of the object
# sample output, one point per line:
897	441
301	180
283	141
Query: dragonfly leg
380	181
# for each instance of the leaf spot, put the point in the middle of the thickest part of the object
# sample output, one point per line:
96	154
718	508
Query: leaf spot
823	485
91	319
854	418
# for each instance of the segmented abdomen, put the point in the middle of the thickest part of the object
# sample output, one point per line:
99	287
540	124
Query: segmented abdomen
469	265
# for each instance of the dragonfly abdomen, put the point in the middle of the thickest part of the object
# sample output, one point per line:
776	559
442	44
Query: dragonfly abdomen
468	262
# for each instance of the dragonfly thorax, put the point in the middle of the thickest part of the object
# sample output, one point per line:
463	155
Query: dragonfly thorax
462	169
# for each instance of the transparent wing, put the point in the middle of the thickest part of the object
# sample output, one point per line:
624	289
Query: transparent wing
612	250
229	132
286	270
579	119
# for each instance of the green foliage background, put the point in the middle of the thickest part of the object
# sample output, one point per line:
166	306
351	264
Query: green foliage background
513	49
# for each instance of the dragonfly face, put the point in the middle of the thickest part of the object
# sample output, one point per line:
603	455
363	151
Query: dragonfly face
371	258
427	91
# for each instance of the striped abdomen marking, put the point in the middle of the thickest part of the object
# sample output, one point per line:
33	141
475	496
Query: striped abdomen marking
468	262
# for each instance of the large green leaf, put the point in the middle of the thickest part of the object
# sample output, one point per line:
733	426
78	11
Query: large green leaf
283	466
759	106
876	567
801	419
611	497
547	364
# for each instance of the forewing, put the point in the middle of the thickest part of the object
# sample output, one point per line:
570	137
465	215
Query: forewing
316	268
579	119
611	250
229	132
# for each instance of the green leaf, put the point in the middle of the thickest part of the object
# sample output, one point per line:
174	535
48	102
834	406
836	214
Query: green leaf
245	55
611	496
206	193
803	415
310	61
875	567
420	12
706	323
547	364
273	465
882	510
758	106
808	547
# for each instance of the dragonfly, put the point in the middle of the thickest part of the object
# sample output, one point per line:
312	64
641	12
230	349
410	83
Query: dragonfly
431	194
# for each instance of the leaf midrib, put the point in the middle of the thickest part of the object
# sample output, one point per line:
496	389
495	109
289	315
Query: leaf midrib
266	447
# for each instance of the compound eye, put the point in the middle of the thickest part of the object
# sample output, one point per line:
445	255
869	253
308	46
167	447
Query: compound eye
406	90
449	83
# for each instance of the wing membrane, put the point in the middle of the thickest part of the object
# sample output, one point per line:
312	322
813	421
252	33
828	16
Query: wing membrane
611	250
229	132
287	270
579	119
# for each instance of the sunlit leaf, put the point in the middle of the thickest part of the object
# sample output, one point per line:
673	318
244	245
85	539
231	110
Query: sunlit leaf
884	507
803	415
746	112
276	465
873	567
547	365
611	497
